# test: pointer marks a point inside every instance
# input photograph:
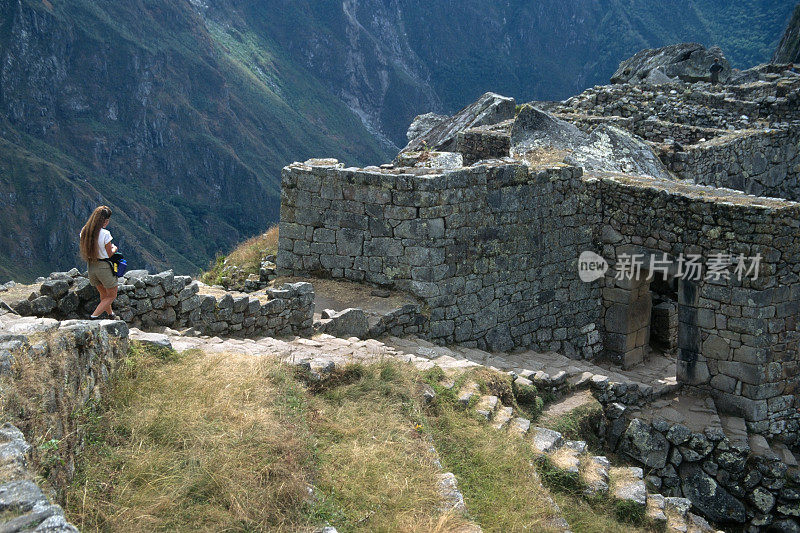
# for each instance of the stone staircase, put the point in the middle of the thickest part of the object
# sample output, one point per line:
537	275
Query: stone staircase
623	485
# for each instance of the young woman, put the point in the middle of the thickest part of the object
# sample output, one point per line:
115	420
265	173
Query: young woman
95	246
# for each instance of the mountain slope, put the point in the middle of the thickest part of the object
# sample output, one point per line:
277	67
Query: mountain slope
179	123
393	59
788	50
180	113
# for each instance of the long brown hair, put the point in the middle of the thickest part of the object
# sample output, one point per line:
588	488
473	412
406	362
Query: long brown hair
90	248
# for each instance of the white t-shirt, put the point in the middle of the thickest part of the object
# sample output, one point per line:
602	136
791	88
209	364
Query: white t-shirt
103	239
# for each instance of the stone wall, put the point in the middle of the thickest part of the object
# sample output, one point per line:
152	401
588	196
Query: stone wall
724	478
687	104
650	129
492	249
737	338
164	299
760	162
49	371
485	142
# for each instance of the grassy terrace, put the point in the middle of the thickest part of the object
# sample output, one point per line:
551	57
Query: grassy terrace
192	441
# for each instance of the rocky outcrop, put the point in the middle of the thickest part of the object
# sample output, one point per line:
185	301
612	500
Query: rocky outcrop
534	128
490	108
788	50
606	148
687	62
612	149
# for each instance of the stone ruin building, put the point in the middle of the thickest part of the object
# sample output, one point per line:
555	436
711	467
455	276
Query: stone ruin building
484	215
544	232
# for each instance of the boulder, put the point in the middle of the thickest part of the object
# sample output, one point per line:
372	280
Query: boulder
490	108
42	305
535	129
643	443
607	149
55	288
612	149
423	124
688	62
348	323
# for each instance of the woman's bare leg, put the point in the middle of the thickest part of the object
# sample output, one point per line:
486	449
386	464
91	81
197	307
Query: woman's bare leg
107	296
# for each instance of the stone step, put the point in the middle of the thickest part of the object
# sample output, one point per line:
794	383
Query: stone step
519	426
452	499
467	391
627	484
487	405
594	473
679	519
502	417
566	459
546	440
655	509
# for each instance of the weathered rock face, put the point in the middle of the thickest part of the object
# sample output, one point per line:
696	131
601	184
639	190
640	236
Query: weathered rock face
648	447
488	109
613	149
422	124
687	61
607	148
534	128
788	50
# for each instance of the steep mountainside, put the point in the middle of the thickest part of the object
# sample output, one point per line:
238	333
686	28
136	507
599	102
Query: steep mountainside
789	48
392	59
180	113
179	122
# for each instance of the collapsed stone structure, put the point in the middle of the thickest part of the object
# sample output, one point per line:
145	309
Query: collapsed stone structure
489	235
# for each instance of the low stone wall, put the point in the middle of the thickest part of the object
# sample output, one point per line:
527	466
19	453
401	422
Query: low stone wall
724	479
759	162
659	131
406	320
164	299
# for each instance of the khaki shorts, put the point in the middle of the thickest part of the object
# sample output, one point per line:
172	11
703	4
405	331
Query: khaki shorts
100	273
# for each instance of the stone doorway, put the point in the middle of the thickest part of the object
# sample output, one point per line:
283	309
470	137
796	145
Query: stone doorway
651	320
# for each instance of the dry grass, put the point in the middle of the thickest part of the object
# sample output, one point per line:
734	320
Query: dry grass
375	470
247	256
495	473
213	443
585	517
235	443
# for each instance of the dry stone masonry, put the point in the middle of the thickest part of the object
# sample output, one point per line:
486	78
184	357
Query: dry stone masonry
484	216
76	360
166	300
